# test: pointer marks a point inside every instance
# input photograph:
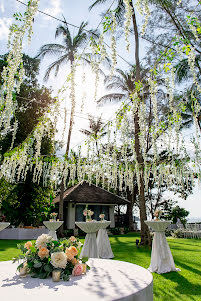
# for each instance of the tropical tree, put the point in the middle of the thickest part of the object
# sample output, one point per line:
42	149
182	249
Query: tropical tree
27	202
66	53
120	9
96	129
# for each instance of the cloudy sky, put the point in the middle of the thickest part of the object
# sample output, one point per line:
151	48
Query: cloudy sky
44	29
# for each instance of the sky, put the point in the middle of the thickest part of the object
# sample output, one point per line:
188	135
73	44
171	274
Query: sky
43	33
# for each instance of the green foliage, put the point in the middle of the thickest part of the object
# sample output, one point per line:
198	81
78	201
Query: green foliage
27	203
178	212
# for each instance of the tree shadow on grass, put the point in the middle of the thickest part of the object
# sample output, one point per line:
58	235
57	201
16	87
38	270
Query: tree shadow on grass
189	268
188	243
184	287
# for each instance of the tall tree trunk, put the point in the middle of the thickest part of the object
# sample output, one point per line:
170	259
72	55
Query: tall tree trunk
145	234
61	196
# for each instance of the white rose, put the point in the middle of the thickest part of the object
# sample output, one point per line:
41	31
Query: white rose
59	260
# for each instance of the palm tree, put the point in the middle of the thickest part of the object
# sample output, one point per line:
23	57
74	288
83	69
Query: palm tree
68	50
124	81
66	53
95	129
119	12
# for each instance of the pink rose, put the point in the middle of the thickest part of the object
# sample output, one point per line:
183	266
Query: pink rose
78	270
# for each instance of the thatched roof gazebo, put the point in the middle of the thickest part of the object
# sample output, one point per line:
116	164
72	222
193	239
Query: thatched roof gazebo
98	199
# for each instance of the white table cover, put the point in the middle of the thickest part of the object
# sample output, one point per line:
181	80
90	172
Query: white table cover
103	243
52	227
107	280
90	248
161	256
4	225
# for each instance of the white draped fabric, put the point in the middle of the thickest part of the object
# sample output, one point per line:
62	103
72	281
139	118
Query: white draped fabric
52	227
107	280
161	256
104	247
3	225
90	248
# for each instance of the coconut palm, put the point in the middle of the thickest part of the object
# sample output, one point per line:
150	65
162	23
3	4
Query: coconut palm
68	50
124	82
66	54
95	129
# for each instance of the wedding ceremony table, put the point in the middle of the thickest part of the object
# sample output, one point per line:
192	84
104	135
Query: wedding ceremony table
103	243
107	280
4	225
52	227
90	248
161	256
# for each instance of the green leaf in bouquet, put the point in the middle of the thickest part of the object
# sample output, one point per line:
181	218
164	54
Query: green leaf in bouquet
88	267
43	275
33	249
37	264
20	266
84	259
34	276
66	277
56	243
48	268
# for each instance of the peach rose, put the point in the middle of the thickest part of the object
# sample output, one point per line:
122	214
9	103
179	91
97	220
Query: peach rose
73	250
72	239
69	255
74	261
78	269
43	252
28	245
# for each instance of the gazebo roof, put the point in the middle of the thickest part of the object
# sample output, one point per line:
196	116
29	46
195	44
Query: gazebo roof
86	194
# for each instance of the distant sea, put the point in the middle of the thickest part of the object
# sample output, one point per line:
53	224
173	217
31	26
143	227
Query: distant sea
194	220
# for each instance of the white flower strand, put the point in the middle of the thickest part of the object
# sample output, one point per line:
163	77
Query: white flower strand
15	64
113	46
127	23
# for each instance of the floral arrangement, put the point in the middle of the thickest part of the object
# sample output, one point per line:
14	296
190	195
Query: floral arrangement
53	216
88	213
102	215
157	214
46	256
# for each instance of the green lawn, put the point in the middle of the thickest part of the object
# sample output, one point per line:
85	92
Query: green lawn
181	286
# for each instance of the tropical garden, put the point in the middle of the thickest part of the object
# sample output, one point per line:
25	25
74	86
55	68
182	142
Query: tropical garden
139	68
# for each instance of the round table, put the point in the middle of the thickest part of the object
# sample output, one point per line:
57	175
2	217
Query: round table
52	227
103	243
107	280
90	248
4	225
161	256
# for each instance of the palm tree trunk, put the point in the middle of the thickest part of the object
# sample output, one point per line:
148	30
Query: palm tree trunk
145	235
61	196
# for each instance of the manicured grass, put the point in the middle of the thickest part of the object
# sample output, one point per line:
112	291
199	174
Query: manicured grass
174	286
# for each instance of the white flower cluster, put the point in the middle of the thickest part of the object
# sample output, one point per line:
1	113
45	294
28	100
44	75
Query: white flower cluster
128	16
13	73
143	8
113	46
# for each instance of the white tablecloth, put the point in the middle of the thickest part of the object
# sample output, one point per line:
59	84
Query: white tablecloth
161	256
3	225
52	227
103	243
107	280
90	248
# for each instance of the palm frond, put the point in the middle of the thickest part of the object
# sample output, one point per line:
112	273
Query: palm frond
113	97
51	49
97	2
56	66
